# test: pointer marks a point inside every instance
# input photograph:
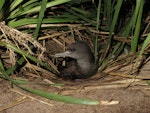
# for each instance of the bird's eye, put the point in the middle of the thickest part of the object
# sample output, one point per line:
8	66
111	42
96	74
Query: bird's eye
72	49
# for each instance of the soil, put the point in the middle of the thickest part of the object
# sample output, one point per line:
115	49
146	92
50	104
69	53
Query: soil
132	99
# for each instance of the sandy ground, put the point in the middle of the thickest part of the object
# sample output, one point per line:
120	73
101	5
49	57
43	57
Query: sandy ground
134	99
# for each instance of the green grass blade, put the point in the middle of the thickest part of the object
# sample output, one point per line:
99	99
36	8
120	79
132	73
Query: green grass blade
11	69
1	4
108	11
79	10
145	44
27	21
81	17
97	28
112	28
3	73
57	97
119	47
115	17
49	4
129	28
21	82
1	66
21	9
15	4
40	18
134	42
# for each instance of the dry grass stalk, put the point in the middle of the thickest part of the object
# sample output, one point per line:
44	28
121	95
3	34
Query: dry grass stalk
21	40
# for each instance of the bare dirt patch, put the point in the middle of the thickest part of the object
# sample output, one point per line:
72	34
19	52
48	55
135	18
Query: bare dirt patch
134	99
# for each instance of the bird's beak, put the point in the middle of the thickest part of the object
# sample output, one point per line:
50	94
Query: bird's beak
64	54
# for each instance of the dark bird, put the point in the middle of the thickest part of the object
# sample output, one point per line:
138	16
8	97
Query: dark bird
83	64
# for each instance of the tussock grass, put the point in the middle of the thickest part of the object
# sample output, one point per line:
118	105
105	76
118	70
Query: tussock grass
33	31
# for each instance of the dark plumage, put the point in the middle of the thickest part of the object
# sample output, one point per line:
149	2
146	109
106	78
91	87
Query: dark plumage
83	64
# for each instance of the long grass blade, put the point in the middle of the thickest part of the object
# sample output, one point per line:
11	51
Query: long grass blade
81	17
145	44
26	21
49	4
97	28
11	69
112	28
61	98
15	4
115	17
40	18
20	9
134	42
1	4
